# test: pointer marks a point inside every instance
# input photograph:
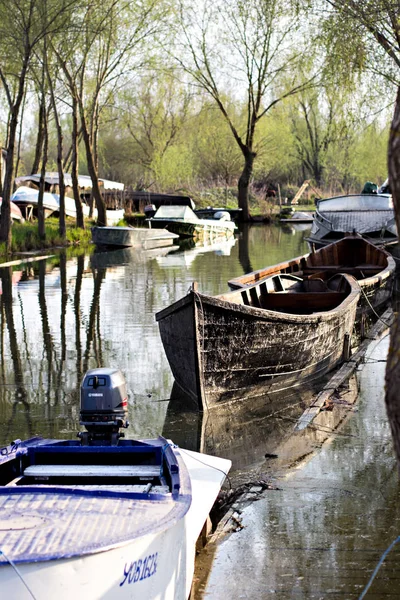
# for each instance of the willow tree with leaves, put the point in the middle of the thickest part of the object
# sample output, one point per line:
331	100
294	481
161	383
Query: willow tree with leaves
109	41
21	31
154	113
254	48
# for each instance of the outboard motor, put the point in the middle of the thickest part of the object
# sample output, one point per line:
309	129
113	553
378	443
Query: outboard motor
104	406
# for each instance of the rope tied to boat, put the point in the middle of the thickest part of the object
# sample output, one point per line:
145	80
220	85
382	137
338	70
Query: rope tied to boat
378	566
172	445
18	572
373	310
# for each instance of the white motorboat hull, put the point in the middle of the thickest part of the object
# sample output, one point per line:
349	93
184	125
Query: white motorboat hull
154	566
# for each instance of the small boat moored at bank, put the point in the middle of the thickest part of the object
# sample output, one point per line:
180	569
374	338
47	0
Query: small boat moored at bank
371	215
267	337
183	221
373	267
122	237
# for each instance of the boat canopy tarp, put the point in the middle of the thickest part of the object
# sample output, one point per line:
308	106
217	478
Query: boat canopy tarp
358	220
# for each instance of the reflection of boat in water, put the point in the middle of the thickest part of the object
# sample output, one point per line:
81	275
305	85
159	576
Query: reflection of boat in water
294	228
101	259
244	434
189	250
117	517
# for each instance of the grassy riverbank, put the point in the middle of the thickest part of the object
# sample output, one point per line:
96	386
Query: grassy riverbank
25	237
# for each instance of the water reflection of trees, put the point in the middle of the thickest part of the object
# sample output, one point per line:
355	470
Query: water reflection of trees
38	382
7	318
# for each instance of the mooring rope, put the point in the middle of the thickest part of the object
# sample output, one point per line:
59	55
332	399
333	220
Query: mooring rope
378	566
18	572
171	445
373	310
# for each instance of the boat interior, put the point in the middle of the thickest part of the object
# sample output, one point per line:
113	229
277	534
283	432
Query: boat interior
131	466
352	255
288	293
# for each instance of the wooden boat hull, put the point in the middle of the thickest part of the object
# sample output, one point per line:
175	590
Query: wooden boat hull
348	255
220	351
120	237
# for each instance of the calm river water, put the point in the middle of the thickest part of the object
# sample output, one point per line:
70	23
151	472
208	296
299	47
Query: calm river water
61	317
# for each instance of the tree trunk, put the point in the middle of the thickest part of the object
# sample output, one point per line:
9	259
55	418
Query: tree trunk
60	167
41	216
80	221
40	136
243	184
392	397
100	204
5	221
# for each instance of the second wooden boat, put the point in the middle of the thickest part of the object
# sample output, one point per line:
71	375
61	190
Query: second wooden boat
373	267
265	338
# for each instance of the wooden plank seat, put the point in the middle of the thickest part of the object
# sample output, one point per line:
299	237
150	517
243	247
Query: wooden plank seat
92	471
343	268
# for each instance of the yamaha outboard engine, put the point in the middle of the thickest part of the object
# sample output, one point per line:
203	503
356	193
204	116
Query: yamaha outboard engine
104	405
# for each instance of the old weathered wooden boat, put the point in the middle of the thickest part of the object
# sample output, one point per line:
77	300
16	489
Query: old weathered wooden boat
373	267
122	237
102	517
279	333
371	215
183	221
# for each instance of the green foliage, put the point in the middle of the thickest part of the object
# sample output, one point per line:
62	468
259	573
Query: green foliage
25	237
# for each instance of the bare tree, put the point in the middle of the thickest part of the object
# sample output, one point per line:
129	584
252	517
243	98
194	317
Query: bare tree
248	46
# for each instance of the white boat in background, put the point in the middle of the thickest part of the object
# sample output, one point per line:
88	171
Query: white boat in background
16	213
183	221
84	181
102	517
26	198
370	215
298	217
